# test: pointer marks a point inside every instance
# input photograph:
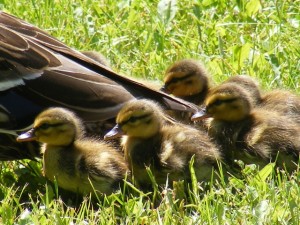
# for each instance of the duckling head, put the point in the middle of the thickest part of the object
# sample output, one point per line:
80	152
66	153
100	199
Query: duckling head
54	126
185	78
227	102
249	84
139	119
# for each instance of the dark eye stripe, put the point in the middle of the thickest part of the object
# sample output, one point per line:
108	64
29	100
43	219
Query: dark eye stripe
45	126
176	79
219	102
134	118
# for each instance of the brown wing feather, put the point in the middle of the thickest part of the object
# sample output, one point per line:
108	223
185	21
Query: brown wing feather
47	53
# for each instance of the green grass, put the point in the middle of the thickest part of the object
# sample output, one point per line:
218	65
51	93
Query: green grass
259	38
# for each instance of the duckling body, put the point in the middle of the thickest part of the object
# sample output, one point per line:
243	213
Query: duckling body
283	102
168	155
252	134
76	167
261	138
77	163
150	141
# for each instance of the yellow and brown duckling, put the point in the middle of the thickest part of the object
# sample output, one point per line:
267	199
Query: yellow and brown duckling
249	133
284	102
187	79
77	163
150	140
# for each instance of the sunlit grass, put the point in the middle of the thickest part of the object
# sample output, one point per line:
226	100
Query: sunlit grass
140	39
263	196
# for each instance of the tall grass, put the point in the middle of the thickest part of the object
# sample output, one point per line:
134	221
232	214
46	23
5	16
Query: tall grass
141	39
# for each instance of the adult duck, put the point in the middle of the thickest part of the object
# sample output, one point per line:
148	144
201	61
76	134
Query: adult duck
38	71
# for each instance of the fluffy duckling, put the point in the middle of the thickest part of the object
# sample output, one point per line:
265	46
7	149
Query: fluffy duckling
77	163
282	101
187	79
248	133
165	147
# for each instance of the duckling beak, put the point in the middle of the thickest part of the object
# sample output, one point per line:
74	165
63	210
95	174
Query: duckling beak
200	115
28	136
114	133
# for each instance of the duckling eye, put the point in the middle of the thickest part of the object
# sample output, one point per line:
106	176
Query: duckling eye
44	126
218	102
132	119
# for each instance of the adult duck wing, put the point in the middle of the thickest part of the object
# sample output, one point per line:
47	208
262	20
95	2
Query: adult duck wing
47	72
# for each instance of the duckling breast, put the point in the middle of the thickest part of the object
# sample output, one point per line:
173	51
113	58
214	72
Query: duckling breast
59	165
86	166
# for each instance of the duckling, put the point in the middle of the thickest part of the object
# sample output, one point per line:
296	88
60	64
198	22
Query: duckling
151	140
187	79
282	101
77	163
251	134
38	72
